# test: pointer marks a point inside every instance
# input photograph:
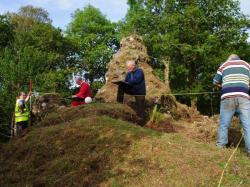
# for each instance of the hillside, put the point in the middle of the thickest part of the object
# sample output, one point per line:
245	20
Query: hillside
100	145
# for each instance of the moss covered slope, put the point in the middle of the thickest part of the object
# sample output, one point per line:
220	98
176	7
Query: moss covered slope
98	149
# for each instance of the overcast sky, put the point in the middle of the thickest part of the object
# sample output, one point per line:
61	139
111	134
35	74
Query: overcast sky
60	10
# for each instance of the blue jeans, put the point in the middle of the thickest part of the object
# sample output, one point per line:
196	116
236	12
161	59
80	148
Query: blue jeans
228	107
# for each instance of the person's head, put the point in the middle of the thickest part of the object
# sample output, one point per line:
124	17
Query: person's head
86	76
79	80
131	65
233	57
22	95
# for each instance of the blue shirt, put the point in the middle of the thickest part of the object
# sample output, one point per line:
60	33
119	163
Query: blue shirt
136	80
21	103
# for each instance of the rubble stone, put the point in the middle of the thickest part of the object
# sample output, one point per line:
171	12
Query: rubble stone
46	103
132	48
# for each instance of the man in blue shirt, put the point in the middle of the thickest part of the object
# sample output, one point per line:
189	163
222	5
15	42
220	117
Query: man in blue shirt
134	84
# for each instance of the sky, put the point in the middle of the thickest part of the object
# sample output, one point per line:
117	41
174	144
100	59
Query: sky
60	11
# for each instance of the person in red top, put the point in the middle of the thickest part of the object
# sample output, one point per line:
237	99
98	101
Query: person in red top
78	98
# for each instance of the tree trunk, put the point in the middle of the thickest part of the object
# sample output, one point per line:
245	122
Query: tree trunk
166	63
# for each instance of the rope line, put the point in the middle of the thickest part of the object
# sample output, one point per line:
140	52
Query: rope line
193	93
225	167
188	93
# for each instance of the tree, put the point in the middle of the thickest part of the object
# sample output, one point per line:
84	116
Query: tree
34	14
39	47
94	35
6	32
35	50
6	38
195	35
28	16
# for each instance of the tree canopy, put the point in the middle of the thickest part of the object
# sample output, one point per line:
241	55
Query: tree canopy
31	48
95	37
196	36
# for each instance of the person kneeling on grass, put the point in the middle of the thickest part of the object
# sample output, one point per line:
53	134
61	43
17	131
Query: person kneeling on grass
83	96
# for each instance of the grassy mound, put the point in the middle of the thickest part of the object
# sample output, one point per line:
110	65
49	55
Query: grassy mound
65	115
95	148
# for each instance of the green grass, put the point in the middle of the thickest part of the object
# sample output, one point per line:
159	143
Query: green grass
104	150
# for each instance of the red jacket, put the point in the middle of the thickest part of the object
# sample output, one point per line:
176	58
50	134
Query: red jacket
83	93
84	90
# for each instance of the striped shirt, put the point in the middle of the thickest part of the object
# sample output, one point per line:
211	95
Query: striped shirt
234	77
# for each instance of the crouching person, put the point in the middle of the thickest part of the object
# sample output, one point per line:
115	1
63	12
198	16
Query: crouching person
83	96
22	113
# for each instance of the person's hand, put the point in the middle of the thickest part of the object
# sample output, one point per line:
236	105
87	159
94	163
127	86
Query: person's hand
74	96
219	85
116	81
30	93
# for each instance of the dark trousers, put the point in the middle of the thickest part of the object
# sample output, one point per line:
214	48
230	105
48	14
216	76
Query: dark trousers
122	89
140	103
20	126
139	99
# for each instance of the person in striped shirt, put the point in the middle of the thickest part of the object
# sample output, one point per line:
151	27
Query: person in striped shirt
233	78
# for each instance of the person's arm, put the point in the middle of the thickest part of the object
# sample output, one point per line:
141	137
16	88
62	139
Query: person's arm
127	77
28	97
218	85
136	78
218	78
78	93
249	79
84	88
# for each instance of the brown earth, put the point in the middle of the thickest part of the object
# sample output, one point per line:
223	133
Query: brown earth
95	145
68	114
50	110
186	121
